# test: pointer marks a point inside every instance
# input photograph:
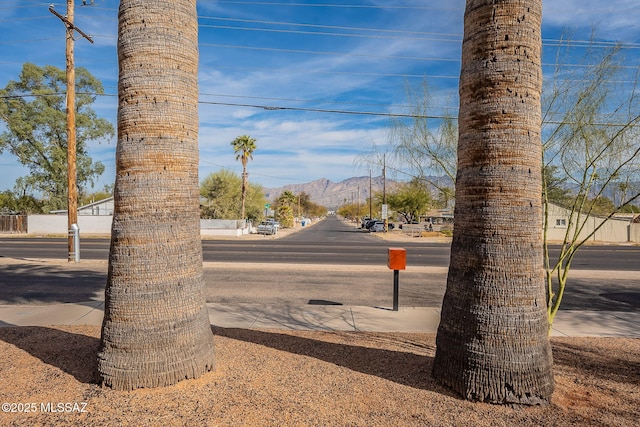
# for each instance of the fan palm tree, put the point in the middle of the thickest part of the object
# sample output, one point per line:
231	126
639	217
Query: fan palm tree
492	342
156	328
243	147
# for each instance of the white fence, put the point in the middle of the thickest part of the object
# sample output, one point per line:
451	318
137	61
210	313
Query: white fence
224	227
613	231
101	225
634	233
57	224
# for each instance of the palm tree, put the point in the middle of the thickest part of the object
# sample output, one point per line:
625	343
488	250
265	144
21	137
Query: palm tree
492	342
243	147
156	328
285	208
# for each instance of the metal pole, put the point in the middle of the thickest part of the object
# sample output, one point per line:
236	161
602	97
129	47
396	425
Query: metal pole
74	237
396	279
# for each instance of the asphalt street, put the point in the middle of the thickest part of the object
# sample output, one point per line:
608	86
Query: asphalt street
330	263
329	242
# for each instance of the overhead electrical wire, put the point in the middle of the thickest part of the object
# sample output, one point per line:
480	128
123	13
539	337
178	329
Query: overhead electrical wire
381	33
319	30
332	111
334	27
445	37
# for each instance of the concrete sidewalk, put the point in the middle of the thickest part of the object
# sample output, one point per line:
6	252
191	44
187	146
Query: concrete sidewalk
324	318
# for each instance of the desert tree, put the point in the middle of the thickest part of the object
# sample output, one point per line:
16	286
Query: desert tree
591	151
591	159
33	111
423	142
222	193
410	200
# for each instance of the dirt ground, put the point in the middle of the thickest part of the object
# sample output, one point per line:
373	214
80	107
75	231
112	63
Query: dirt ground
304	378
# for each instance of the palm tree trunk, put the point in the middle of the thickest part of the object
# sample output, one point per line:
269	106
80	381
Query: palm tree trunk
156	328
245	175
492	342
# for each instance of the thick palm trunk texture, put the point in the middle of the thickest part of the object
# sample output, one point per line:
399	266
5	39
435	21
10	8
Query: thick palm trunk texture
156	328
492	342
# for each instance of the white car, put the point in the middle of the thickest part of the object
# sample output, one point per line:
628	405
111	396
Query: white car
377	226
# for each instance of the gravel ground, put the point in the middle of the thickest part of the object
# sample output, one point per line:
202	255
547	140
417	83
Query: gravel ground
304	378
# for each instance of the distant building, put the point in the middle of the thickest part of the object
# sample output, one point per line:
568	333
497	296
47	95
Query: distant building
100	208
619	228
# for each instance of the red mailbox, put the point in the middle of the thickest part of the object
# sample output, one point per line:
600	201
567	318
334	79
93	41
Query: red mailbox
397	259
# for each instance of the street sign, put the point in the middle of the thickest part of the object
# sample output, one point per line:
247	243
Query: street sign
385	212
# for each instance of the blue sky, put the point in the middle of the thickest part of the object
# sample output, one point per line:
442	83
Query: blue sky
323	61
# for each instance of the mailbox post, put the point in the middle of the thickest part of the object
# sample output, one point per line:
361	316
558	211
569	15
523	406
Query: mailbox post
396	261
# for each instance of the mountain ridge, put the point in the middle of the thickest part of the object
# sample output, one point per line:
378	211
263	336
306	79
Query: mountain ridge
331	194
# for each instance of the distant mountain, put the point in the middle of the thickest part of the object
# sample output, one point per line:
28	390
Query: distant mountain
331	194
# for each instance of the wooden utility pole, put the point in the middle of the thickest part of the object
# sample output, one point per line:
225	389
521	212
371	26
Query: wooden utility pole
72	189
384	191
72	193
358	208
370	196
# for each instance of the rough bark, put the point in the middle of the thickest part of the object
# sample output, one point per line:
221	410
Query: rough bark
492	343
156	328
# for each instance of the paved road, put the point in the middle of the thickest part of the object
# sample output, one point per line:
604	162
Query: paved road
23	282
328	242
349	268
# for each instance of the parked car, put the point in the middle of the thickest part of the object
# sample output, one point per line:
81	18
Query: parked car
378	226
268	227
369	223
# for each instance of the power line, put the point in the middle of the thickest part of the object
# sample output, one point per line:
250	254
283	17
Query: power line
444	37
364	55
31	40
322	110
334	111
254	173
27	18
341	6
439	36
316	101
350	73
335	27
437	7
316	52
317	33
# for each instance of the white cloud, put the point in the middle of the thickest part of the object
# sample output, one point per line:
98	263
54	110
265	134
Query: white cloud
612	20
243	113
296	146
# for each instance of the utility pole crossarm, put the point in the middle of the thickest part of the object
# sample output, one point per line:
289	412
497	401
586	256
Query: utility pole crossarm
72	187
70	24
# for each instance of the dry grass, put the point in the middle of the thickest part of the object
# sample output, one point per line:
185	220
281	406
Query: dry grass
303	378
